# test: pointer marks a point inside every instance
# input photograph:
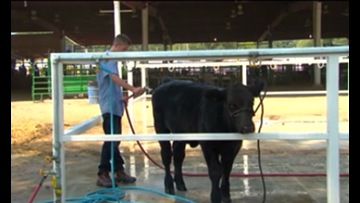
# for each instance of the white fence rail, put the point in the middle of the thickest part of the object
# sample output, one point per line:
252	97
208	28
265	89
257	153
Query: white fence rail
332	135
273	64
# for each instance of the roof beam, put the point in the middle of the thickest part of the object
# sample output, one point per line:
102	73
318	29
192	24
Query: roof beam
42	23
139	5
166	35
292	7
152	12
38	21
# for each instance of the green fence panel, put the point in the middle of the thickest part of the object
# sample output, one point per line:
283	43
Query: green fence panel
74	81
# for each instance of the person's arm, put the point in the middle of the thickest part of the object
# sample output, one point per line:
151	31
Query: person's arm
117	80
112	66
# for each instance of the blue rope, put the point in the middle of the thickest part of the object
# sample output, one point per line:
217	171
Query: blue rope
115	194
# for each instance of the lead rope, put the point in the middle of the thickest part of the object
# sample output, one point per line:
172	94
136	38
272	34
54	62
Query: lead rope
261	105
254	61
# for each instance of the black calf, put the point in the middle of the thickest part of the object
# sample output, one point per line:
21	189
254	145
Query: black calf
188	107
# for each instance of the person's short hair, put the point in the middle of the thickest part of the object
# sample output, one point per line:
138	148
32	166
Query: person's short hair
122	39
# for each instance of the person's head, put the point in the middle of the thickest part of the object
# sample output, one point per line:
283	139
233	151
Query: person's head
121	43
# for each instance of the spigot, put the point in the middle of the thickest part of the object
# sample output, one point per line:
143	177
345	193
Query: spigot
43	172
48	159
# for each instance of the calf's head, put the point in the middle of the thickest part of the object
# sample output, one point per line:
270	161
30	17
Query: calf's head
238	103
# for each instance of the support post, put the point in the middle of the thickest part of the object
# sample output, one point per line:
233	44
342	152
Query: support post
333	157
62	43
58	130
317	12
270	37
145	28
165	42
270	43
145	47
117	26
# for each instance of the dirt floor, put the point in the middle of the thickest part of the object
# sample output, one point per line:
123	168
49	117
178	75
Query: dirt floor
31	126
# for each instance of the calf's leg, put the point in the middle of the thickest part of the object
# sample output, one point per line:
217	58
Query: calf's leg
227	160
215	172
179	156
166	151
166	155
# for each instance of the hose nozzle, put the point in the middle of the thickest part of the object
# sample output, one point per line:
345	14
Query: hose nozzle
143	90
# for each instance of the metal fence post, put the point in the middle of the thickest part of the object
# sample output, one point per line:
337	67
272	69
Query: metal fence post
333	157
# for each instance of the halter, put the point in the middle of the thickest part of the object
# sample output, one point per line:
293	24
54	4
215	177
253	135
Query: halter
237	112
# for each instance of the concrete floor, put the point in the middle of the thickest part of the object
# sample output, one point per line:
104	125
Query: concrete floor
278	156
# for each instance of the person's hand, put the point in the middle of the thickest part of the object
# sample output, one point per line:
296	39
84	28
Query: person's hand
137	91
125	100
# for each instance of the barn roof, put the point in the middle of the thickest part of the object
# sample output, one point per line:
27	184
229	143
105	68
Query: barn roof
91	22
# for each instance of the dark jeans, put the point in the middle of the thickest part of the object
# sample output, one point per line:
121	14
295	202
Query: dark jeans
106	148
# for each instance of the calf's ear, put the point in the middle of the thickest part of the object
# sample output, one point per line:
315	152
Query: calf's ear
215	95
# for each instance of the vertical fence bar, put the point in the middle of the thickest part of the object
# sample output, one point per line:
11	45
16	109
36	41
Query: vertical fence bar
48	74
333	148
348	89
143	100
62	175
244	74
117	29
58	130
130	79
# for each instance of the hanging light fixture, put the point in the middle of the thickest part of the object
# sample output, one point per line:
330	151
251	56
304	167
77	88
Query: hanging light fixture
228	26
33	15
240	10
325	9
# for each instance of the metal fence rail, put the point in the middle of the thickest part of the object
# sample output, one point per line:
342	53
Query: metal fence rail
321	63
332	135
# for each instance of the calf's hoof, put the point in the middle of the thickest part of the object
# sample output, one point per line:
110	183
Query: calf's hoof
181	187
170	191
226	199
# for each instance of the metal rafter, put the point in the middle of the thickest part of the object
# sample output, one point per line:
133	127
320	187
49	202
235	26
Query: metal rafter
139	5
38	21
293	7
99	27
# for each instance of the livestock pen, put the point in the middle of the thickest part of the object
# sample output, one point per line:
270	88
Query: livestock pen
332	135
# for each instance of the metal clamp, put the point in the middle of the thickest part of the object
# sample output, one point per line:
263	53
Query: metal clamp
97	69
54	185
171	69
321	65
254	60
